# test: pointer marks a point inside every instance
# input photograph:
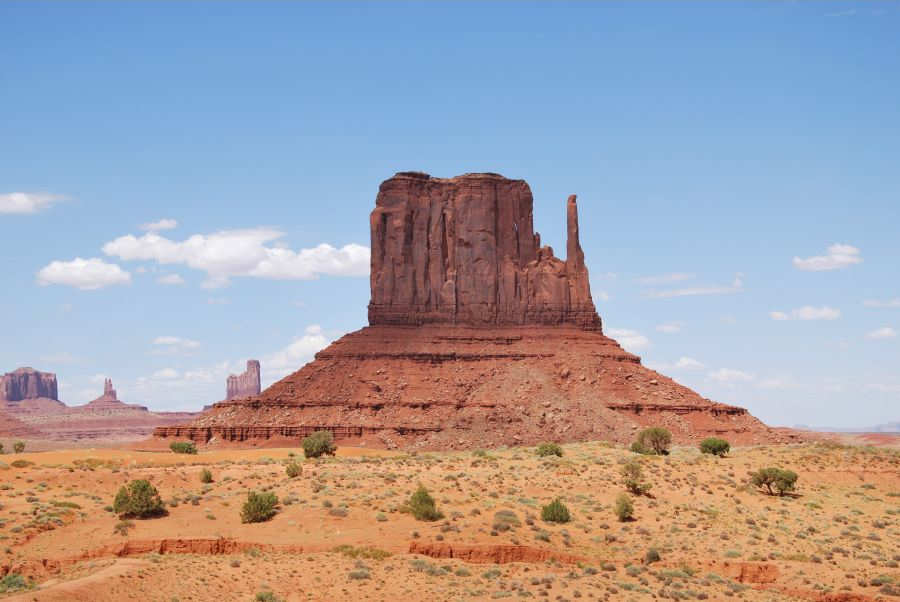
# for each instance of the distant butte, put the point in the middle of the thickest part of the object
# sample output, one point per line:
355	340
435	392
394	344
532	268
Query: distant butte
478	336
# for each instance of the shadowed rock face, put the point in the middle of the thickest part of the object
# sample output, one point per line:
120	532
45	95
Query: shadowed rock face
463	250
28	383
244	384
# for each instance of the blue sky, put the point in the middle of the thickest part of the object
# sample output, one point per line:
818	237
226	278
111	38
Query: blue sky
717	150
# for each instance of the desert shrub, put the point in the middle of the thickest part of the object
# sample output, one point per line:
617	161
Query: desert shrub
206	476
293	470
623	508
640	449
422	505
138	499
19	447
21	463
13	582
123	526
1	449
715	446
555	512
320	443
633	477
774	480
183	447
267	597
259	507
651	556
656	439
549	449
504	520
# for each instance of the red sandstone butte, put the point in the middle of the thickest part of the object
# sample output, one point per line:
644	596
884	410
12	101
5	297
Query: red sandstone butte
244	384
478	337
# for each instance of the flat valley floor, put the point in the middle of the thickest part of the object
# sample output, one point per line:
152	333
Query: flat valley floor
340	533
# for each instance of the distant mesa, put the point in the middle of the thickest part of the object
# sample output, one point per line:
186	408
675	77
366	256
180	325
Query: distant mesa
28	383
245	384
109	401
478	336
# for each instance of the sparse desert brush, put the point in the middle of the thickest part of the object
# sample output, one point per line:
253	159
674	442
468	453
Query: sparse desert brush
715	446
293	469
549	449
774	480
422	506
19	447
267	597
504	520
259	507
21	463
13	582
123	526
367	552
655	440
138	499
624	508
555	512
183	447
651	556
633	477
320	443
206	476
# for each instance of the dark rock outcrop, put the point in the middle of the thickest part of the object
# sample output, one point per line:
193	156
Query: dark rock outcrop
28	383
244	384
463	250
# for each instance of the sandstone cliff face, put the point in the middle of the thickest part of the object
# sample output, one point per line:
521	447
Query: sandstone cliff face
28	383
244	384
463	250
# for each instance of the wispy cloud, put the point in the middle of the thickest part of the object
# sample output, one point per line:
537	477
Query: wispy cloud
838	256
807	312
736	286
23	203
631	340
665	278
300	351
176	342
895	302
84	274
255	253
729	376
163	224
885	332
669	327
170	279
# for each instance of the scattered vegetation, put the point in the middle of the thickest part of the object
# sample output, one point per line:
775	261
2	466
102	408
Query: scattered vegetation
651	556
206	476
422	506
138	499
633	477
13	582
293	470
19	447
774	480
183	447
624	508
549	449
320	443
555	512
715	446
259	507
653	440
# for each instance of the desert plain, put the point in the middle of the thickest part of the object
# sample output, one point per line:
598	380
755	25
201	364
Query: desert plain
340	532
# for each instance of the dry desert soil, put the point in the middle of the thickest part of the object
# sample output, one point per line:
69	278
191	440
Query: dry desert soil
340	532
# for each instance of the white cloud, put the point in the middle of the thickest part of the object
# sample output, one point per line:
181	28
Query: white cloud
885	332
665	278
883	388
895	302
669	327
85	274
689	363
736	286
27	202
163	224
231	253
165	374
838	256
808	312
171	341
603	296
631	340
729	375
170	279
294	356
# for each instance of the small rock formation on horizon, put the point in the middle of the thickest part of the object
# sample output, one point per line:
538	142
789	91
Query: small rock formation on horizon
478	337
28	383
109	401
245	384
